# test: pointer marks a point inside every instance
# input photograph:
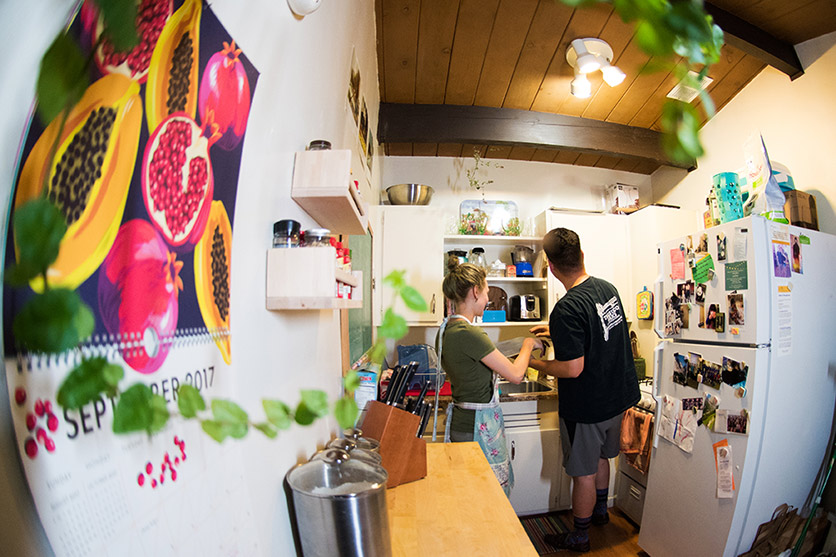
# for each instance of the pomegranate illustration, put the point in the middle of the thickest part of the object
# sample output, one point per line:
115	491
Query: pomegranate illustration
139	286
177	179
150	20
225	91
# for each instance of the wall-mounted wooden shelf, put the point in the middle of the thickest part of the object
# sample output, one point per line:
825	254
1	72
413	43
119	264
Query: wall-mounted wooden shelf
324	188
306	278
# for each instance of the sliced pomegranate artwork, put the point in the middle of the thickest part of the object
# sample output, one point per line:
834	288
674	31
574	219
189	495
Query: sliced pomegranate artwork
138	291
177	179
225	91
151	17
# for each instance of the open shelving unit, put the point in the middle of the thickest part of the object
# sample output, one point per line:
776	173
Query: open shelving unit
307	278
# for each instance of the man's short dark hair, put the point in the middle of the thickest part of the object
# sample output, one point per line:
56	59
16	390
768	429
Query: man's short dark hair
563	248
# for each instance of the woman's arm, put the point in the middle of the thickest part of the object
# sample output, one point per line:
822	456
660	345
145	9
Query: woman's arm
512	371
566	369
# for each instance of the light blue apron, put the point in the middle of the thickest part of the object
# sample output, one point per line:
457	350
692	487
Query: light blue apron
488	426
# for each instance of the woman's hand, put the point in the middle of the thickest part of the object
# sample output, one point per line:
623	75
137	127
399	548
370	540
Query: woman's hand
541	331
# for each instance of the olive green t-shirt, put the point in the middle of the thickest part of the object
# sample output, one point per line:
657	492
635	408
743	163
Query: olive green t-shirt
463	348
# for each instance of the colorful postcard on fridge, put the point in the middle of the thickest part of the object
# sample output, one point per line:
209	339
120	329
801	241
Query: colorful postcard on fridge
680	369
736	311
796	255
781	259
721	247
734	372
712	375
694	370
677	264
709	410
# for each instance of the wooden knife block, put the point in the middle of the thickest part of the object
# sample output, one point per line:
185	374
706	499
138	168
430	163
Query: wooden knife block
404	456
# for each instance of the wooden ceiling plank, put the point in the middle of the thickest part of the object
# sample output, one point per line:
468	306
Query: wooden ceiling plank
449	149
740	76
436	29
513	19
729	57
618	35
632	62
378	19
519	153
586	22
587	159
424	149
805	22
400	37
498	152
645	167
566	157
651	109
626	165
634	98
607	162
469	46
399	149
754	40
510	127
541	42
543	155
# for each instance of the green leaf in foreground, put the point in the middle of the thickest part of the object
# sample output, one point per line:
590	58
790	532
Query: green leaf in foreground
62	78
413	299
228	411
119	18
346	412
393	326
267	430
395	279
351	381
313	406
189	401
53	322
278	413
88	381
139	409
38	228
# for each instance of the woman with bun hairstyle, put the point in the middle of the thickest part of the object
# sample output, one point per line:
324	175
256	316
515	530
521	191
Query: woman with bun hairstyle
473	366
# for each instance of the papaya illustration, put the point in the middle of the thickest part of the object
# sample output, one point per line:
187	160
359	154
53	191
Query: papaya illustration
89	176
212	264
172	74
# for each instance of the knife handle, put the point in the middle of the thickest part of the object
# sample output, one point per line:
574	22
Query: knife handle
393	384
425	417
408	373
421	395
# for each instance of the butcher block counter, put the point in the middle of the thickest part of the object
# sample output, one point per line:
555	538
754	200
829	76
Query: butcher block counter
457	509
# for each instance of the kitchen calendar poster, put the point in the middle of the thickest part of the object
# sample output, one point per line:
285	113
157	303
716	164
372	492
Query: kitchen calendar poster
146	177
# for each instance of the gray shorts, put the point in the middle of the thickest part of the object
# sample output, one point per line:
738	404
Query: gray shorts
585	444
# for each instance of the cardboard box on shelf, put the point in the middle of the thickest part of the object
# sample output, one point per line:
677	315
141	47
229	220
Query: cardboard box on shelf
621	198
800	209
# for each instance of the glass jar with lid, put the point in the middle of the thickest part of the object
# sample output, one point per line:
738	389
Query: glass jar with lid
316	237
286	234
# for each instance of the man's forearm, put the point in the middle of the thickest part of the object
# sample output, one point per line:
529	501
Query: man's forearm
563	369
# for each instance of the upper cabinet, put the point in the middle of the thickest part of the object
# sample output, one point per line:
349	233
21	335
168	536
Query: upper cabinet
324	187
408	238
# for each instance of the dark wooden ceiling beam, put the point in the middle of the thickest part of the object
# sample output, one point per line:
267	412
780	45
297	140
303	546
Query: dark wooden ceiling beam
757	42
425	123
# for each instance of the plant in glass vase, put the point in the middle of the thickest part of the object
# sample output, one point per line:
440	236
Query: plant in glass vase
475	222
480	167
512	227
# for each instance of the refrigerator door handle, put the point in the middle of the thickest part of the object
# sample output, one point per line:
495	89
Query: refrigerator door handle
659	309
658	353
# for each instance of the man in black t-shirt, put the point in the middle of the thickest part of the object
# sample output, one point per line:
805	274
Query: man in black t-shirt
596	381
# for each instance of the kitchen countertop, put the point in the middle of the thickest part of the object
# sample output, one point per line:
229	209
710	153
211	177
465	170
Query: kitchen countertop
457	509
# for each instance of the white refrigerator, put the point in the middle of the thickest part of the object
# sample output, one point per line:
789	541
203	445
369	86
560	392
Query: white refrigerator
756	331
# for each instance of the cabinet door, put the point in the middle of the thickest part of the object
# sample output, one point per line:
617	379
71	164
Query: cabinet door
411	239
535	458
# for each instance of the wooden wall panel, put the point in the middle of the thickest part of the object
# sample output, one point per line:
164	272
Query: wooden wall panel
522	153
544	155
449	150
541	42
399	149
424	149
435	43
513	19
469	46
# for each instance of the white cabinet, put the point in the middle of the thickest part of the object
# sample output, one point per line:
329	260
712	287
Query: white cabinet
408	238
533	438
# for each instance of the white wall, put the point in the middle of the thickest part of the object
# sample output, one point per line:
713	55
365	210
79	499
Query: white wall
798	123
533	186
304	65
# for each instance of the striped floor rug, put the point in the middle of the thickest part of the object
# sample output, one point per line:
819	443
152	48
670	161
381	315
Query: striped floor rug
538	526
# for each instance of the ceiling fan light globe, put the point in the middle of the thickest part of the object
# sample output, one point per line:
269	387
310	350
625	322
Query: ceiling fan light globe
588	63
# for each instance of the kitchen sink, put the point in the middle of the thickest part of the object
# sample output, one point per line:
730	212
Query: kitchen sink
526	387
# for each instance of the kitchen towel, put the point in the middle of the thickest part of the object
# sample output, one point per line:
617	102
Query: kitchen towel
635	438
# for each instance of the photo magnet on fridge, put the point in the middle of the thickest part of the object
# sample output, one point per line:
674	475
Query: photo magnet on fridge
734	372
720	323
736	312
680	369
709	410
699	293
796	255
721	247
695	363
712	375
703	245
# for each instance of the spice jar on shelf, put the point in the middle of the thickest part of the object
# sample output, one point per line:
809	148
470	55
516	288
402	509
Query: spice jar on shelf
316	237
286	234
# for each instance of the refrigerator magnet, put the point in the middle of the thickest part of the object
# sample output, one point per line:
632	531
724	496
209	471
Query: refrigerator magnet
721	247
680	369
796	255
699	293
736	310
720	323
712	375
734	372
702	247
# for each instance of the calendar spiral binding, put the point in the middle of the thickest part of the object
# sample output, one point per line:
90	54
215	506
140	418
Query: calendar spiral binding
111	346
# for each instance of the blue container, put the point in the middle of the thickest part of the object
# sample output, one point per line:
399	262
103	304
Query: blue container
727	191
493	316
524	269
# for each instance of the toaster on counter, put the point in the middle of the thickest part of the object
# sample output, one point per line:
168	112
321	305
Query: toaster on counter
524	308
